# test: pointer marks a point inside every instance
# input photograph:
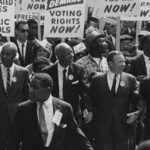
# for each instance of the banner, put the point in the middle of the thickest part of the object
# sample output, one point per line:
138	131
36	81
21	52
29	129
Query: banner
116	8
7	20
144	13
64	18
34	6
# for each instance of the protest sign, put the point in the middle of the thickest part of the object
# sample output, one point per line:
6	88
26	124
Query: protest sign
28	16
79	48
64	18
36	6
144	12
115	8
7	20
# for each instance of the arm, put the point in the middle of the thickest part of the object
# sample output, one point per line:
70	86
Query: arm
14	138
136	104
26	86
75	132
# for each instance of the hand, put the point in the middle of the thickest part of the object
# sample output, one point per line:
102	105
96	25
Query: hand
88	116
132	117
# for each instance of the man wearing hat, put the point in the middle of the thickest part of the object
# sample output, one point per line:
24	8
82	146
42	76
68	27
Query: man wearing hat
140	66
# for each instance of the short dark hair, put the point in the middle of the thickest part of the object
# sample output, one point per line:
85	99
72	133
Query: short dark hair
19	23
145	39
40	61
31	21
145	145
45	79
112	54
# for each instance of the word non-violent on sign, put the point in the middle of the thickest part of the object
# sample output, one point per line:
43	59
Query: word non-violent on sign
64	18
115	8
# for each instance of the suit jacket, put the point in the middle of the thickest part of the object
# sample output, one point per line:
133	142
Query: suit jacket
19	91
29	56
75	86
144	90
138	66
108	109
26	129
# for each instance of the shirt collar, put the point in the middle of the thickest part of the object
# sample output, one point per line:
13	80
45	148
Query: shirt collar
61	68
47	102
146	57
11	68
111	75
19	43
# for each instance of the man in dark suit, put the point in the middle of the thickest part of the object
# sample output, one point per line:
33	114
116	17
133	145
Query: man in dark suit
144	91
24	46
140	66
45	122
112	95
73	87
14	88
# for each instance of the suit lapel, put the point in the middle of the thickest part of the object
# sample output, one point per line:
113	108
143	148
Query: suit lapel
56	107
142	62
55	80
1	80
35	123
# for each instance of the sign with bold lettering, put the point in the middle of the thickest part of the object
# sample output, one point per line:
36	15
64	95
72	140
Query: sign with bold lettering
7	20
28	16
64	18
34	6
144	13
116	8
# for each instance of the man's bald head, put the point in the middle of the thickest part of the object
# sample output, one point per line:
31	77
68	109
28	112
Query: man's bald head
8	54
11	46
64	54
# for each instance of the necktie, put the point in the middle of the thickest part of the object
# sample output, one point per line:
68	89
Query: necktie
8	80
22	52
113	89
42	123
64	81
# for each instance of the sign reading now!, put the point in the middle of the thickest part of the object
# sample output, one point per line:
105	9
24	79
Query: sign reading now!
144	12
115	8
7	20
64	18
36	6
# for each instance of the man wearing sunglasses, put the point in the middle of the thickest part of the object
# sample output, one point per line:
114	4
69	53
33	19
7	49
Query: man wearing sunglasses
23	45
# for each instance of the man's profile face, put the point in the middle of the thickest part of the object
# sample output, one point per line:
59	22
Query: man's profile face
22	32
37	91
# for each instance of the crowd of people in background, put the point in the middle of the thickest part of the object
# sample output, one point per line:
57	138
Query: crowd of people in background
97	98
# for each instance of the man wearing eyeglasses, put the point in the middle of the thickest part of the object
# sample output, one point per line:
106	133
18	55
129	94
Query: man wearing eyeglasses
23	45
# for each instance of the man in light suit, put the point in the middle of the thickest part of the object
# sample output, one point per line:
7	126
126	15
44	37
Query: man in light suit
13	89
113	94
74	88
49	129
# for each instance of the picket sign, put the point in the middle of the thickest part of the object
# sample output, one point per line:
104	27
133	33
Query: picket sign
39	27
138	29
118	34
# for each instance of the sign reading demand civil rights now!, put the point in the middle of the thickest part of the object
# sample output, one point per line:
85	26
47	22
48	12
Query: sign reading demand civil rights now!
115	8
64	18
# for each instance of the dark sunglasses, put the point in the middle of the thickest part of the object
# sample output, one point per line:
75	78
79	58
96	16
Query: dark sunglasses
23	30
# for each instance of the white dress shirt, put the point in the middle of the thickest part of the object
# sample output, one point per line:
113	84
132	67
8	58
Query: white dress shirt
60	79
147	62
4	74
48	112
110	79
24	48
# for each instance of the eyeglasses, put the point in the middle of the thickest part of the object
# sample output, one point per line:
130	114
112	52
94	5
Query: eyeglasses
24	30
